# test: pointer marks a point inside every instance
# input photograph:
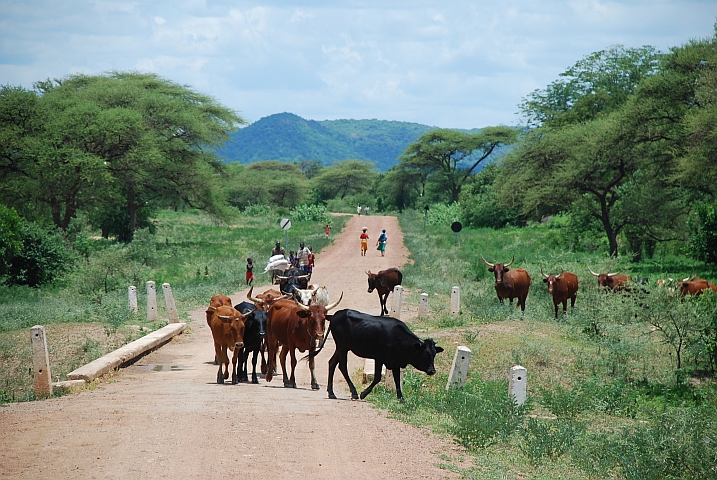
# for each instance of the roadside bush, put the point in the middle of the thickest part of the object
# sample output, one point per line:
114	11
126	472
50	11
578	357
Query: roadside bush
549	439
482	413
44	256
257	210
442	214
309	213
702	226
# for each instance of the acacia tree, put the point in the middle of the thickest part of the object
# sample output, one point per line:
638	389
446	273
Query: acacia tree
450	157
345	178
138	139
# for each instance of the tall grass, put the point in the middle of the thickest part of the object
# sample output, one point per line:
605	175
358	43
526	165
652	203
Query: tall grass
603	376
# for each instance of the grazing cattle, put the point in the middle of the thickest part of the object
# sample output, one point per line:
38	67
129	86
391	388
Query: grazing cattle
387	340
562	287
384	282
695	287
510	283
227	325
293	325
292	280
254	338
612	281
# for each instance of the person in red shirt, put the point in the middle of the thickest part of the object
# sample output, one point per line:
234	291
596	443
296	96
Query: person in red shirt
364	241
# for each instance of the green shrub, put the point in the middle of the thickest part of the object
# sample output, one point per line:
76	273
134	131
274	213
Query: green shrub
549	439
257	210
43	257
482	413
442	214
702	226
564	403
309	213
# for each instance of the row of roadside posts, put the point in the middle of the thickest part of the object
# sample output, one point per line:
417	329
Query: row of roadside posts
42	380
517	386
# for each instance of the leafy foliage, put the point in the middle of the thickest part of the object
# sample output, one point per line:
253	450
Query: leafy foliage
702	225
44	256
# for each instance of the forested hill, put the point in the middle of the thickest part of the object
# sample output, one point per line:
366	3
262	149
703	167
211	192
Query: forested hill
288	137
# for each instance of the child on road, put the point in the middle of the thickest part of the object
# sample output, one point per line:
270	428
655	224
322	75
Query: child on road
364	241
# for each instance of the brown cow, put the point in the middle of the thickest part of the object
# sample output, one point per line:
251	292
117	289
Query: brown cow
227	326
696	287
562	287
509	283
217	301
264	301
293	325
384	282
612	281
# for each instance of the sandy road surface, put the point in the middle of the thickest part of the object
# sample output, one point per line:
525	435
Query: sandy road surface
178	423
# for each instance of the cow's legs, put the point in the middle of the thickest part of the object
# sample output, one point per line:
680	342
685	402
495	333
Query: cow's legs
376	379
282	359
556	309
263	361
333	361
235	360
343	366
572	301
314	383
223	359
272	346
253	368
292	380
242	366
397	379
383	299
565	306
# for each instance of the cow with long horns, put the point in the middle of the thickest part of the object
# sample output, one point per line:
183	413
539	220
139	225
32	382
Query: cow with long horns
562	287
294	325
510	283
612	281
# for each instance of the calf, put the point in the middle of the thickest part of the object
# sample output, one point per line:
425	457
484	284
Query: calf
696	287
217	301
387	340
612	281
562	287
384	282
509	283
227	325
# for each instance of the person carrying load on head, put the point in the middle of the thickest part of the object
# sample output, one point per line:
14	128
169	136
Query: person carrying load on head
364	241
381	243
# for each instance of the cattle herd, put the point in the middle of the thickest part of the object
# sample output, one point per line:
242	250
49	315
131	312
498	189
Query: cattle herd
278	322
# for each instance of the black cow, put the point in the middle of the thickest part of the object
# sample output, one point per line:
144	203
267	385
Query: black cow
254	337
384	282
387	340
293	279
245	307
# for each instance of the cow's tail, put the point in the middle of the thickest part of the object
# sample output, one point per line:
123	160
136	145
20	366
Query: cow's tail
321	345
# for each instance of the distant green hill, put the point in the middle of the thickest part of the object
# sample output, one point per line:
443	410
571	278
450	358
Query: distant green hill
288	137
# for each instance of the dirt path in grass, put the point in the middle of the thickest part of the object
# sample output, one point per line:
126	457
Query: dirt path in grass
165	417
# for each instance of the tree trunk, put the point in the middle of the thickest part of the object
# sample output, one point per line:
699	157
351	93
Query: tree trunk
131	205
609	230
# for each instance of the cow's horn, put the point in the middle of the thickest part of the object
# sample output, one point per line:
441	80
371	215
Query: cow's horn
368	272
224	317
301	305
612	274
255	300
489	264
596	274
511	262
284	297
541	272
281	278
687	279
304	276
334	305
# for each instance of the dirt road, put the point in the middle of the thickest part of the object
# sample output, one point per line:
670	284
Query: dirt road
165	417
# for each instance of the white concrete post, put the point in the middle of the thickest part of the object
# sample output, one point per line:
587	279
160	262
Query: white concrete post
40	362
423	306
132	293
151	301
389	382
459	369
169	300
397	301
369	368
518	386
455	301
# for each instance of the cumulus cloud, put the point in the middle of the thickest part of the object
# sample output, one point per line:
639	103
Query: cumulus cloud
448	63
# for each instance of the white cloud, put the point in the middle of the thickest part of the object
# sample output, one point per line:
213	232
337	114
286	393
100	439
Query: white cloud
447	63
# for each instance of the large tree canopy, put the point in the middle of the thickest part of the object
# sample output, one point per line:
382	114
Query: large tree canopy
123	138
449	157
345	178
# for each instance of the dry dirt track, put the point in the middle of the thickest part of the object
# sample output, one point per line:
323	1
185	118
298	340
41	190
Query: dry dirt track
176	424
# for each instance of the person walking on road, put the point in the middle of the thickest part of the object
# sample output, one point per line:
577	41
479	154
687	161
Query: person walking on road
327	229
249	271
303	256
381	243
365	210
364	241
358	210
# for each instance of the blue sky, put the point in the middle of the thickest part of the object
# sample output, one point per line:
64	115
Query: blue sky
445	63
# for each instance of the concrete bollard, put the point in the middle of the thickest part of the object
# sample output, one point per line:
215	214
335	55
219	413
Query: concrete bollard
389	382
455	301
369	368
423	306
518	386
42	381
397	302
459	369
151	301
132	294
169	301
